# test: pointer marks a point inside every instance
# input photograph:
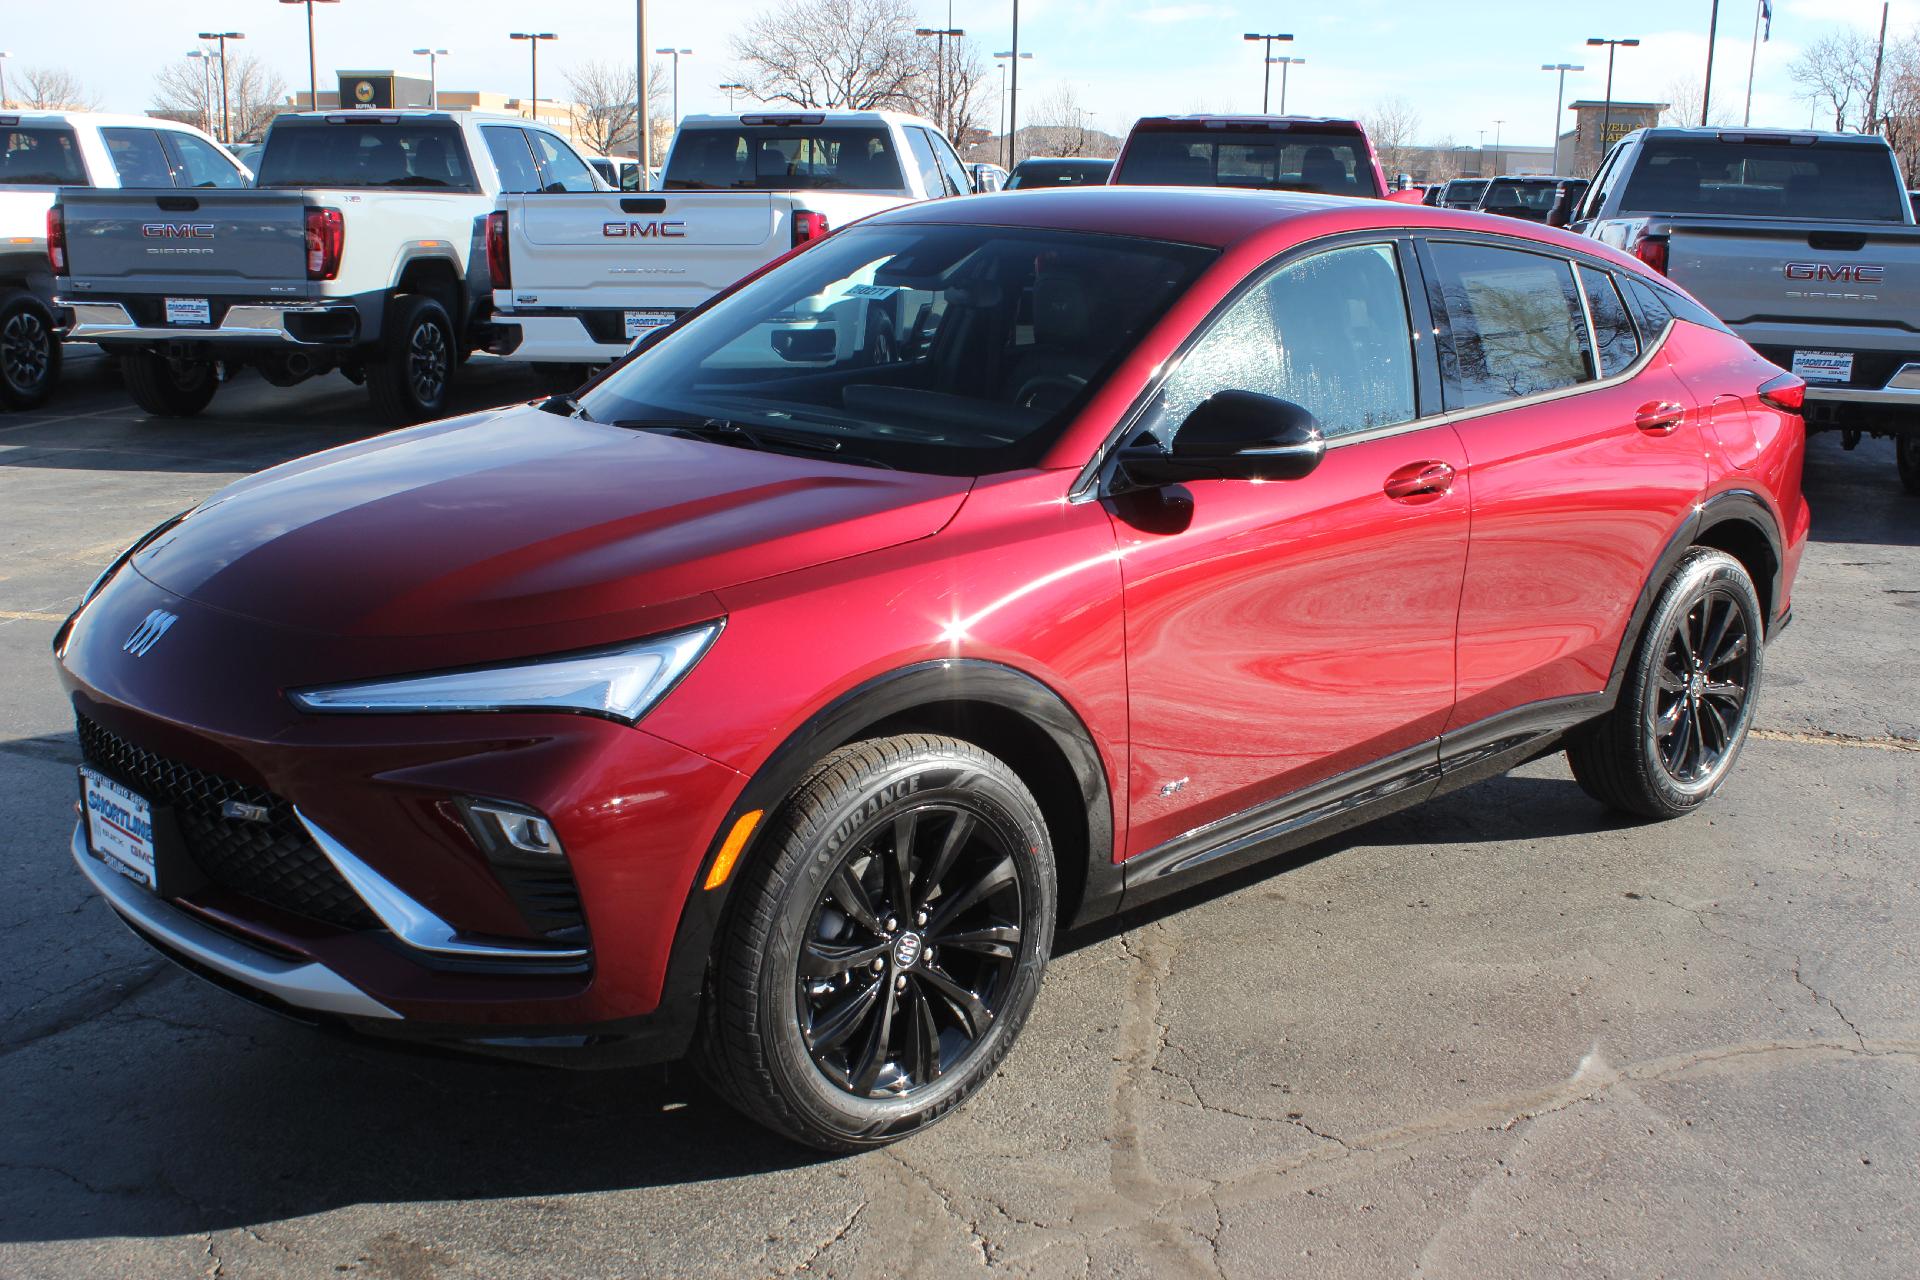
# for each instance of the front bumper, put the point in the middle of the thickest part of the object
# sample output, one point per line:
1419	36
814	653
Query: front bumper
306	325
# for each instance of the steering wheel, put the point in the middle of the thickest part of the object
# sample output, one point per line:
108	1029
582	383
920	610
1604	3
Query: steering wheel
1030	389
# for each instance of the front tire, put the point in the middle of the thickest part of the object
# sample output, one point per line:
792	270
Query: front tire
1906	451
29	352
411	383
166	389
1689	696
887	944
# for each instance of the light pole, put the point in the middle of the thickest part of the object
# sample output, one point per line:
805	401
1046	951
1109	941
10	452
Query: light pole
1559	103
4	55
1706	89
313	63
940	35
226	131
642	133
1266	66
1497	170
433	57
206	87
730	90
533	39
1284	62
1606	115
1013	57
677	55
1006	103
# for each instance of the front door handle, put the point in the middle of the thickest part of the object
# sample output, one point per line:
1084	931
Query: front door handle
1420	480
1659	417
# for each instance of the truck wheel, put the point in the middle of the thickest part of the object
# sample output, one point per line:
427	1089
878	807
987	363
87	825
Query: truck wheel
29	351
166	389
410	384
1906	449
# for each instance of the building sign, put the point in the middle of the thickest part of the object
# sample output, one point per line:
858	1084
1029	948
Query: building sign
366	90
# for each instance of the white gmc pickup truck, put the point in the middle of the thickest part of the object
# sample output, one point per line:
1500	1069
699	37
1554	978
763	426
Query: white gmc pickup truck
578	278
42	151
358	249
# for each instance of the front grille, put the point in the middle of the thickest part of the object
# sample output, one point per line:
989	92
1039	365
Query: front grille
274	861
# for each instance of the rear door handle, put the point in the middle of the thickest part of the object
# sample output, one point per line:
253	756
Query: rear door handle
1420	480
1659	417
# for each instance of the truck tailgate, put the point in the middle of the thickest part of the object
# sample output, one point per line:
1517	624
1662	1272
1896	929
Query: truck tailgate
679	249
215	242
1756	271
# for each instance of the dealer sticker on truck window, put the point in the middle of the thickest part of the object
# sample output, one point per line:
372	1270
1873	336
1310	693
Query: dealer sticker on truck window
1823	366
189	311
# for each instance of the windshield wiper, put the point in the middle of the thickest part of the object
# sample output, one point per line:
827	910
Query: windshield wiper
730	432
566	407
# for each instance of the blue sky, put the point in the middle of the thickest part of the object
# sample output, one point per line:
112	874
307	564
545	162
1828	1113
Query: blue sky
1461	65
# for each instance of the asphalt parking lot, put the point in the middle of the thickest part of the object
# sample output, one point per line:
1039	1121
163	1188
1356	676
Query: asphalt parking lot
1506	1034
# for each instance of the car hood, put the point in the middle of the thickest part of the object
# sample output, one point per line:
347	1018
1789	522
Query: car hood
521	518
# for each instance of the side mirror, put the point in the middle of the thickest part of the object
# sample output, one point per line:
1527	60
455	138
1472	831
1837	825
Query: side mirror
1556	217
1233	435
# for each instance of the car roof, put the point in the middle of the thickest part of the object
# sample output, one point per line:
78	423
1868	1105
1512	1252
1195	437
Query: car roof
1203	119
102	119
1721	133
1045	160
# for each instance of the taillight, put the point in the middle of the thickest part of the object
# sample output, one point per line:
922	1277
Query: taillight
807	226
57	240
1785	393
1652	250
499	261
326	240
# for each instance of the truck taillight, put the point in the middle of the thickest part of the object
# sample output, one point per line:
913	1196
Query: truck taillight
499	261
807	226
1652	250
1785	393
57	240
326	240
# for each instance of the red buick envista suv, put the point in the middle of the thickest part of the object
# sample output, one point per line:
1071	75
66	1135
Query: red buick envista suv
779	697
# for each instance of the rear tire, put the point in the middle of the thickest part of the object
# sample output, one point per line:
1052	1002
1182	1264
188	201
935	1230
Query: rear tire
29	351
166	389
1906	451
802	1032
411	383
1688	699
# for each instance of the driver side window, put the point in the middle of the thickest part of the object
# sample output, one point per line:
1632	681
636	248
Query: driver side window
1329	332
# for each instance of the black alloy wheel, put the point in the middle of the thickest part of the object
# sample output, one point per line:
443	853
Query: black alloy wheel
429	358
29	352
1700	692
910	952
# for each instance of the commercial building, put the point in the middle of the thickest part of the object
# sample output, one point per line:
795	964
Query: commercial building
1584	143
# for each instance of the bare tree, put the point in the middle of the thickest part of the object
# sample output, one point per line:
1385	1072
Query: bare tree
954	94
1392	123
833	54
52	89
603	105
1683	105
1056	126
1837	70
189	90
1443	161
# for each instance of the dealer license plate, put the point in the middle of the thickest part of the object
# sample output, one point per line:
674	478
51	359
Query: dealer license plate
639	322
189	311
119	826
1823	366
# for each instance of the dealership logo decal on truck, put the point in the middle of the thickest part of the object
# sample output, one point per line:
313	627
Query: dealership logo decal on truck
1849	273
655	230
177	230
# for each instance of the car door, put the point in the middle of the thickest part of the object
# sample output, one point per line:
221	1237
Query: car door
1586	454
1282	634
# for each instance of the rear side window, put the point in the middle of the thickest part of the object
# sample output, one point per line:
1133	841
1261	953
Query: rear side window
1652	308
1777	179
1514	324
785	158
1603	182
1289	160
426	156
33	156
1329	333
560	168
138	158
926	162
200	164
1615	342
511	159
955	173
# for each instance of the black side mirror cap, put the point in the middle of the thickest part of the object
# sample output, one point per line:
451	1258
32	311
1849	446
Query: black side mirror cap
1233	435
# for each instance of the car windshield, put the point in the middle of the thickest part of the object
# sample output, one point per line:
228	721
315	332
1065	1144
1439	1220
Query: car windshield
785	158
1464	190
364	155
954	350
1830	181
1060	173
33	156
1537	196
1332	163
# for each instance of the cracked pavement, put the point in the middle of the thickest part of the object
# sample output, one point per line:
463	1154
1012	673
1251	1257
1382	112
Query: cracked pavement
1503	1035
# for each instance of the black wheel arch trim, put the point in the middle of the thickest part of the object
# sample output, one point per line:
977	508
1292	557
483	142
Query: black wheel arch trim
888	698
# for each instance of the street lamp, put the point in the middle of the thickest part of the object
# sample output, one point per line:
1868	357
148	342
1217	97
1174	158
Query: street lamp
1606	115
1266	68
1013	56
313	64
226	131
730	90
940	35
433	57
533	39
1284	63
206	87
677	55
4	55
1006	103
1559	103
1497	167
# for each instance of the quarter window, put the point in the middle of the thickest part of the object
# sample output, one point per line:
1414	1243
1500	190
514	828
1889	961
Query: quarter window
201	164
1514	323
955	173
560	168
137	157
1329	333
1613	335
511	159
925	161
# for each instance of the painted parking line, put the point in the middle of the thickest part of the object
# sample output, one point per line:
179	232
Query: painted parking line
30	615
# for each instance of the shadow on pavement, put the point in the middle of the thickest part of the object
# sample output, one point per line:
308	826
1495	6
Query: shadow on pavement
1856	494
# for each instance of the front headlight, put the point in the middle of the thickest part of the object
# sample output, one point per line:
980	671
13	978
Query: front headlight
621	683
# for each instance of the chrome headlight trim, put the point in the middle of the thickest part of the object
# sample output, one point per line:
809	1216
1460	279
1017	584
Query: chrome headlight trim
620	683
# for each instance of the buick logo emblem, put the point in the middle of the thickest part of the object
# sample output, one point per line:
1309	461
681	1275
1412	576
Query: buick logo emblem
907	950
148	633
